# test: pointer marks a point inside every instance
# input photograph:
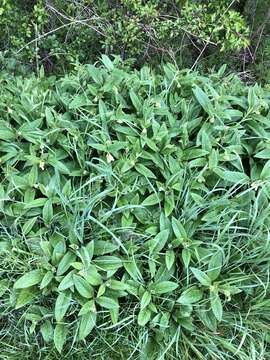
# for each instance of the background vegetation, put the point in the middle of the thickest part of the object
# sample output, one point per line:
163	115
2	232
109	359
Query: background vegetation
135	172
56	33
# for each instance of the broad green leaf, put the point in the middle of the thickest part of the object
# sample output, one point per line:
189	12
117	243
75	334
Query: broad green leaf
215	265
91	275
158	242
83	287
29	279
144	316
78	101
28	226
47	212
190	296
143	170
104	247
89	306
132	269
163	287
169	204
67	282
203	100
46	330
59	337
263	154
107	62
117	285
107	262
235	177
145	300
46	279
152	199
6	133
35	203
216	305
135	101
201	276
65	263
169	258
87	323
265	174
86	253
178	229
114	313
25	297
61	305
107	303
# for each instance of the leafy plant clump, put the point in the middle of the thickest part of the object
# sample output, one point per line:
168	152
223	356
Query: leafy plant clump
136	200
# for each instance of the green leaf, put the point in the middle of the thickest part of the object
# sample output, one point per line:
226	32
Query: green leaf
61	305
65	263
46	330
144	316
114	313
108	263
201	277
83	287
46	279
213	159
145	300
107	62
87	324
178	229
89	306
132	269
104	247
25	297
169	204
91	275
59	337
77	102
107	303
152	199
159	241
135	101
190	296
235	177
203	100
216	306
29	279
169	258
143	170
265	174
6	133
263	154
186	257
163	287
86	253
215	265
35	203
47	212
66	282
27	227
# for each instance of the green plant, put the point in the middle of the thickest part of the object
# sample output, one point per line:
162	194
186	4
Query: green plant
58	33
135	201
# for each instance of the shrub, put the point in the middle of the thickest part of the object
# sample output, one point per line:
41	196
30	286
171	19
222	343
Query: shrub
137	200
59	32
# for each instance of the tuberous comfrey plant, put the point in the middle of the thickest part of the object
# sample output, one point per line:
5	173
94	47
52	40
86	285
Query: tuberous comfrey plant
137	197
